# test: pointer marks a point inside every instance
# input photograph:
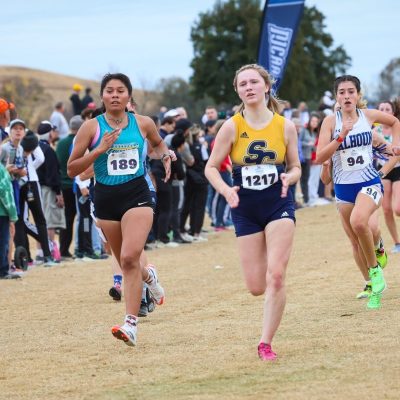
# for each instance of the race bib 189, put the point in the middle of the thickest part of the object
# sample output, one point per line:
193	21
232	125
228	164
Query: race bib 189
259	177
123	162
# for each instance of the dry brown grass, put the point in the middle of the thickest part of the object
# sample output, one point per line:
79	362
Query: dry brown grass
58	87
56	341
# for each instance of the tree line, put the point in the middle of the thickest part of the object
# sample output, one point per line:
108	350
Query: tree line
225	38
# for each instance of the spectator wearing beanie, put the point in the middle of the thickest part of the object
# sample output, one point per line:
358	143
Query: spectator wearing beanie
30	199
76	100
5	108
178	174
87	98
12	157
167	126
63	151
195	187
182	126
50	181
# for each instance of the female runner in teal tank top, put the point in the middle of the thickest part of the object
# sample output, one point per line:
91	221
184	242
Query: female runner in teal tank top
121	196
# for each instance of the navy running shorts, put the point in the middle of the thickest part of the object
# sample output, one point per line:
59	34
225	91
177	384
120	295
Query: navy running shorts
257	208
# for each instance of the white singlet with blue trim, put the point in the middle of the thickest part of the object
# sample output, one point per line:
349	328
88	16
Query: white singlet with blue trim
352	161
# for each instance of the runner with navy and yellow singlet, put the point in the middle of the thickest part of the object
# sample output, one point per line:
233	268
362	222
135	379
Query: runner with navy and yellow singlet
122	199
263	149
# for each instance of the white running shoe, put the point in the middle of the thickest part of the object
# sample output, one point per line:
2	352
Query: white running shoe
126	332
172	244
396	248
187	237
156	290
198	239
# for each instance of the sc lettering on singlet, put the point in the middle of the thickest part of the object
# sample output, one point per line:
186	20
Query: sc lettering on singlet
257	152
354	159
259	176
123	162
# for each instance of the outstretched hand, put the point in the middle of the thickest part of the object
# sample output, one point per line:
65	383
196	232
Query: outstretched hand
167	166
172	155
231	196
285	184
396	150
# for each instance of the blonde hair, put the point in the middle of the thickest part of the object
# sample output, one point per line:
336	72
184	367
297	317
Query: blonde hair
362	103
272	102
194	130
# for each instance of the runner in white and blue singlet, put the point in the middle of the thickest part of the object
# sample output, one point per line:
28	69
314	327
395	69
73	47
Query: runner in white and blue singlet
347	138
391	182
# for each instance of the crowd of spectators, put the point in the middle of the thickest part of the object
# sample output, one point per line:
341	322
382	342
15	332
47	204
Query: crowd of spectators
39	200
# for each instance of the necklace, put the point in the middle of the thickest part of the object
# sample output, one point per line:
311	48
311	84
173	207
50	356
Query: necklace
117	121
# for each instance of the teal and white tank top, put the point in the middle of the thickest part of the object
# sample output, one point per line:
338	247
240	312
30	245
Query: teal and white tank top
352	161
124	160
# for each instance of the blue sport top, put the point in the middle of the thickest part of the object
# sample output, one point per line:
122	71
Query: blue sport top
124	160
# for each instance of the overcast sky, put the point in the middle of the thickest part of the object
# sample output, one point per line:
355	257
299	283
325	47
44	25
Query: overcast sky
149	40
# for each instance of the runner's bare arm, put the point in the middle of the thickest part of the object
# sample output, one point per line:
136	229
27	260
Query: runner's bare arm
87	174
326	172
79	161
159	147
326	146
222	147
389	120
293	167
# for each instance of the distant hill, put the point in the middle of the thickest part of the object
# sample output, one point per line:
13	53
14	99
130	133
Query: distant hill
36	91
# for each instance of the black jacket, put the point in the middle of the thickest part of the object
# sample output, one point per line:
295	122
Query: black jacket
49	172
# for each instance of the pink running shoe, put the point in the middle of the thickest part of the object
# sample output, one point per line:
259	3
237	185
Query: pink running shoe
55	252
265	352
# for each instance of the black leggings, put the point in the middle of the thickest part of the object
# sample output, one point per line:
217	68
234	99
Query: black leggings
162	217
84	225
194	205
305	174
70	213
24	227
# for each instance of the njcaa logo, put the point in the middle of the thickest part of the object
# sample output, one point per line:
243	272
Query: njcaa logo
258	151
279	40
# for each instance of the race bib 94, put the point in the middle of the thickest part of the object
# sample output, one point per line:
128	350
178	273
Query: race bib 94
355	159
373	192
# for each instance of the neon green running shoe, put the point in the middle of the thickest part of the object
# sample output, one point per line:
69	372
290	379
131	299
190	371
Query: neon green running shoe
374	301
366	292
377	279
381	257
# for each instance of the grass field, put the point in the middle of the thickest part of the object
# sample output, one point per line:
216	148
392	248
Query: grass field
202	344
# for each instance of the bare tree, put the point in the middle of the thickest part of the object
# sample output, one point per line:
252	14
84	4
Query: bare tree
389	81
